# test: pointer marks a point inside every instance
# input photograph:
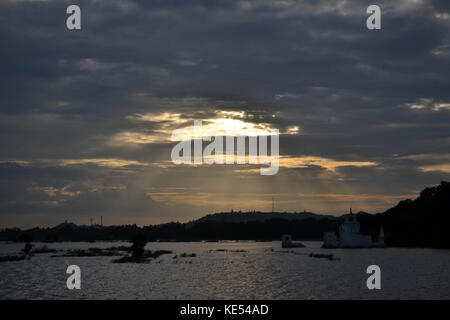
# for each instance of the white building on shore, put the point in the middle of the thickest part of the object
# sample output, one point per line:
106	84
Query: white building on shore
350	236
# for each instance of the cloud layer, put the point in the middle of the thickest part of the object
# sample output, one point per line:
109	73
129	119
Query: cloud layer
85	116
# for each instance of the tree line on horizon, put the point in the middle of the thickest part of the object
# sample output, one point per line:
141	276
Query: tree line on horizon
423	222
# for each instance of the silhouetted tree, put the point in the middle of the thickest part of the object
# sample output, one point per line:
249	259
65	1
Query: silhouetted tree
139	241
423	222
27	248
25	237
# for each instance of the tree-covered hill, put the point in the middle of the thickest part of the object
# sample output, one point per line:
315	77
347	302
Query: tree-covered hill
423	222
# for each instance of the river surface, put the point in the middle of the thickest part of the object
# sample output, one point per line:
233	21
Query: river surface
262	271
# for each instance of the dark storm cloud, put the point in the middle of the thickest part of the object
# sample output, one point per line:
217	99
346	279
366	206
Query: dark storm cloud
211	49
357	95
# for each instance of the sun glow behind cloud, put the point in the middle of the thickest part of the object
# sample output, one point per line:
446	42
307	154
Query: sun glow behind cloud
327	163
224	123
103	162
287	161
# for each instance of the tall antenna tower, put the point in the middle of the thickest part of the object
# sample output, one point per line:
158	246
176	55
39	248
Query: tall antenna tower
273	205
101	221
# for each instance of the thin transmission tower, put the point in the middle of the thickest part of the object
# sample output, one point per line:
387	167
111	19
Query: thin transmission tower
273	205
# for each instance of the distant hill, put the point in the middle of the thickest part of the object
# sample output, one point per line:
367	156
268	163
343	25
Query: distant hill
243	217
66	225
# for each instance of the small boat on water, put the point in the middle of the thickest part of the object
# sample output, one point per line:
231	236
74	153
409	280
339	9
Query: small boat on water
286	242
321	255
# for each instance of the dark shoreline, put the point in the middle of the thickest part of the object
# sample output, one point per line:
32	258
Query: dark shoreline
420	223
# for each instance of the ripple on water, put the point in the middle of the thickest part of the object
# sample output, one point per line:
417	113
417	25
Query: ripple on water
262	271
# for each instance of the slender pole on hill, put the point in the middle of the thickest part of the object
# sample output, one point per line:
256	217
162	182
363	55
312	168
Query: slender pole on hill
273	205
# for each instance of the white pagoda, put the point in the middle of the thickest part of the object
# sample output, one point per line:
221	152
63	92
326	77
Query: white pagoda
350	236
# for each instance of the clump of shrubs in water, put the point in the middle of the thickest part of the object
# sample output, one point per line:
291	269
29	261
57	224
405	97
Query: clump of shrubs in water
91	252
27	249
228	250
157	253
185	255
26	254
43	249
130	259
144	258
289	251
119	248
137	249
312	255
138	252
321	255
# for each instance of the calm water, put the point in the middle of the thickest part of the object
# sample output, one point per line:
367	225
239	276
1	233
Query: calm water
258	273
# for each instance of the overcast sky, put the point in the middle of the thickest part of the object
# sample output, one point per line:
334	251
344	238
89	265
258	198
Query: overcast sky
86	116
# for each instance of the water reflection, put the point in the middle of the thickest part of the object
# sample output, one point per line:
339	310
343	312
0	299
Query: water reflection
238	270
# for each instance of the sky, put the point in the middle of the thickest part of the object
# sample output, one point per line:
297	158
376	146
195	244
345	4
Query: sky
86	116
